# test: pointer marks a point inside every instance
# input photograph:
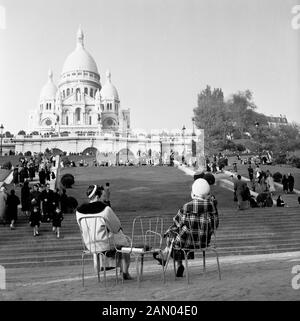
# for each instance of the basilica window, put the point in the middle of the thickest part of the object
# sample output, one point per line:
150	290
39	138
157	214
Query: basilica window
91	92
67	120
86	90
102	107
63	94
68	91
77	113
50	106
90	120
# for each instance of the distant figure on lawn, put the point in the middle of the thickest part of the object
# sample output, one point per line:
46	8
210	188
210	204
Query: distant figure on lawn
291	182
190	225
92	233
250	172
107	194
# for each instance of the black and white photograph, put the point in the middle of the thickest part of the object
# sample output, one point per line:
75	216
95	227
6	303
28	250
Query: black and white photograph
149	153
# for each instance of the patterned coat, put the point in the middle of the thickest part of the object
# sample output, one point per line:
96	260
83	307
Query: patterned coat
194	222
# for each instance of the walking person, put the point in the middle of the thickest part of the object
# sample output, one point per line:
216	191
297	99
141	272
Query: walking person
15	176
240	188
12	208
270	184
56	221
291	182
3	204
47	203
25	198
35	219
285	184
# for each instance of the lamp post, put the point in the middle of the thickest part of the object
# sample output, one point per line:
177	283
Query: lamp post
160	154
1	131
183	132
258	136
127	146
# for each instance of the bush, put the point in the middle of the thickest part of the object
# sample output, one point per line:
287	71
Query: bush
209	178
66	161
7	165
28	153
280	159
295	161
67	180
277	177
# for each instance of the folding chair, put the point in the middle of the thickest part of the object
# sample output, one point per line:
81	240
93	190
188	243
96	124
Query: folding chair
146	238
200	243
96	241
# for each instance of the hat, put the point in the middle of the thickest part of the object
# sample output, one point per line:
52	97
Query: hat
200	188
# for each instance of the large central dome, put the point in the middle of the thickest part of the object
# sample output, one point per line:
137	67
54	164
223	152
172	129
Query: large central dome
80	59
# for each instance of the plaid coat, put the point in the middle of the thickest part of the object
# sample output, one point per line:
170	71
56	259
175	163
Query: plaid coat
194	223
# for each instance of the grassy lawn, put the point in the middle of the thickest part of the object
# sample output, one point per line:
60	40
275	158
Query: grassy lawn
3	174
141	189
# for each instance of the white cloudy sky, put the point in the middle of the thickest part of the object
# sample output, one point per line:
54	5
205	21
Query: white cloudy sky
161	53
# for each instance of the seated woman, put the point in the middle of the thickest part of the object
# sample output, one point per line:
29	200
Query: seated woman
191	218
97	207
280	202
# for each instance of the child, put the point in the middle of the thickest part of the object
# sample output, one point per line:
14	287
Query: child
35	219
56	221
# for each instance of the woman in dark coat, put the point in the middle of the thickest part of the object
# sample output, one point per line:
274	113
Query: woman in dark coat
285	184
25	198
12	208
16	176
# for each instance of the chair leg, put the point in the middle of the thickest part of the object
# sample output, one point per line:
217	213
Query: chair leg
204	261
187	267
82	269
137	269
142	267
98	266
104	269
116	264
174	266
218	263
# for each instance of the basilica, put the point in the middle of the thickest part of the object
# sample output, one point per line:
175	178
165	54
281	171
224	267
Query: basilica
82	114
79	103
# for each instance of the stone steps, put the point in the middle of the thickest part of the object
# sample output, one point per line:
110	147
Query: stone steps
253	231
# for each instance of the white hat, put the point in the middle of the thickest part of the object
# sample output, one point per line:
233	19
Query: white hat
200	188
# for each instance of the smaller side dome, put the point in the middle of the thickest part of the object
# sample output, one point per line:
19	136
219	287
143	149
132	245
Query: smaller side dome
109	91
48	92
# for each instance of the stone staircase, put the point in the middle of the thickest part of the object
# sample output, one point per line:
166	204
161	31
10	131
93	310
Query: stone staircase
253	231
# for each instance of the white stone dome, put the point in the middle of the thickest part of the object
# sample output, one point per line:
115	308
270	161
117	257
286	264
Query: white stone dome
109	91
80	59
48	92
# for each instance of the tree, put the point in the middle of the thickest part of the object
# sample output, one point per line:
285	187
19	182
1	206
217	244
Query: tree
210	114
22	132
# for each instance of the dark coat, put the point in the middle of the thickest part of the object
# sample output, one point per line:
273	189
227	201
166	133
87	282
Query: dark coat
12	207
25	198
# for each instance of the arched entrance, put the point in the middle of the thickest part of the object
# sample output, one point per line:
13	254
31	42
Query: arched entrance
92	151
56	151
126	155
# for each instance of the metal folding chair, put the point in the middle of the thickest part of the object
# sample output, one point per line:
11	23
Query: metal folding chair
90	227
200	244
146	238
